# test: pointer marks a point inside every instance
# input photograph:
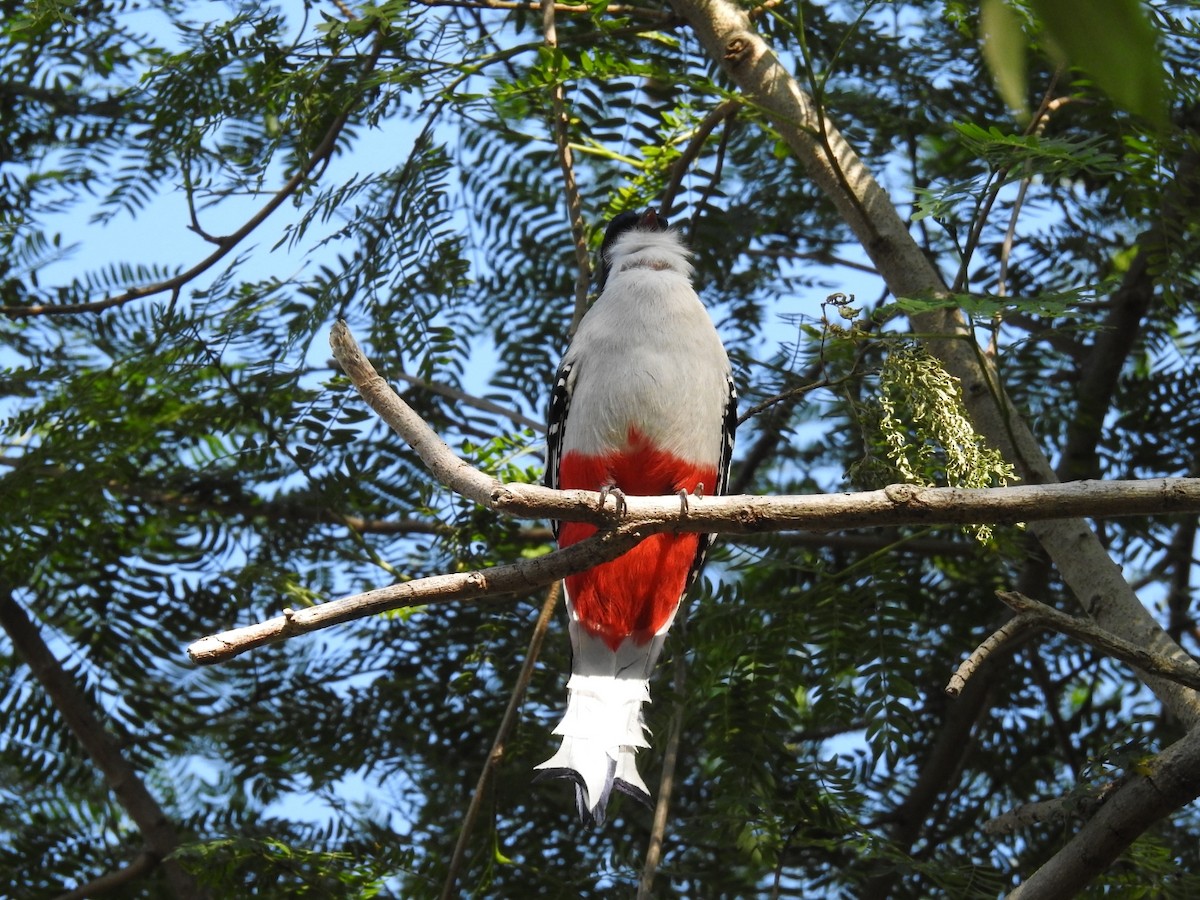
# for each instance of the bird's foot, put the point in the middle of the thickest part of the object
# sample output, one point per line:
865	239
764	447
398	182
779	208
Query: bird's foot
619	505
683	499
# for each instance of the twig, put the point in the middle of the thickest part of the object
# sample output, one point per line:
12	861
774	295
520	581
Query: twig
322	153
1185	672
822	256
1057	809
710	184
984	207
445	390
496	754
615	9
1007	632
790	394
1048	108
722	112
666	782
560	127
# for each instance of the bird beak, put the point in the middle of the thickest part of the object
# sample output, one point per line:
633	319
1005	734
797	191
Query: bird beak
650	221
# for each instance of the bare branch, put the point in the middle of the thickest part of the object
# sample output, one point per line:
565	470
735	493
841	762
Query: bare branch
560	128
1043	616
722	112
448	468
1007	632
666	782
897	505
902	504
521	577
615	9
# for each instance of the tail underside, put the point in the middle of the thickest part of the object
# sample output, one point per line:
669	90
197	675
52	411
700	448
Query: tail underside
603	728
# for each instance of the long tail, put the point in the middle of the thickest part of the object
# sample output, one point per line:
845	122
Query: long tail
603	725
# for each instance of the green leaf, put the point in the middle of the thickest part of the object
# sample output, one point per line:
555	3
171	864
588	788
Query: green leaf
1004	52
1114	42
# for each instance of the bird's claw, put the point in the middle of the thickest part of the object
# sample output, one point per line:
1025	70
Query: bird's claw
619	505
683	499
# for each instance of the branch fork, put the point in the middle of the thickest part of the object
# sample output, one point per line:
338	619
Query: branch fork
642	516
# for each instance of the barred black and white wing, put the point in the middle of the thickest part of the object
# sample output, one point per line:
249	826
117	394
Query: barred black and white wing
728	433
556	420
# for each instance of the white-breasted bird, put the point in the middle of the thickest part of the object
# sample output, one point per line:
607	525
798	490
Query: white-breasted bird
643	405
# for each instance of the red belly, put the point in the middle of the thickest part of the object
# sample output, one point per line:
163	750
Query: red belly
638	592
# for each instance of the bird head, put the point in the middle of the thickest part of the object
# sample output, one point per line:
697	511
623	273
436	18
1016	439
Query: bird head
621	223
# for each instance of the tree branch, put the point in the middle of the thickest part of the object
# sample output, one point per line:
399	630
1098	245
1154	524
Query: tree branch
321	154
140	865
1039	615
1009	631
720	113
560	128
521	577
666	782
902	504
1155	789
643	516
445	390
615	9
897	505
727	34
77	712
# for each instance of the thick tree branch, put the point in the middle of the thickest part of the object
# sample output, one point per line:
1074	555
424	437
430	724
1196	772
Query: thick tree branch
727	34
1155	789
76	710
